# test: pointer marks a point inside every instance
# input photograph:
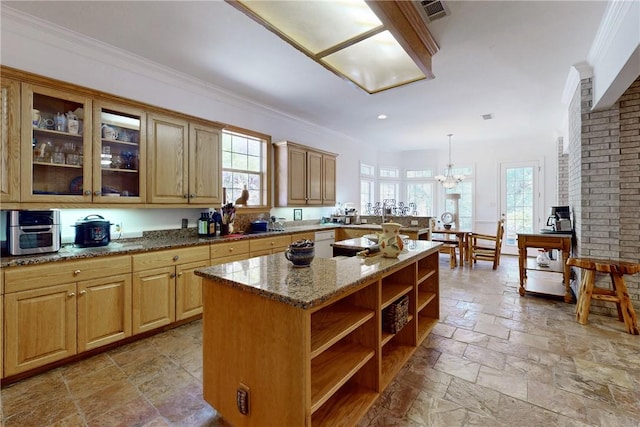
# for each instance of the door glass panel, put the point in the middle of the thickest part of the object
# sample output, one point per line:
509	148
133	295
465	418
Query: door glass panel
519	185
57	145
119	154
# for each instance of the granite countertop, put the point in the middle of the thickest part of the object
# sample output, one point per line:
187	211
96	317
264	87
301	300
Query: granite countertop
359	243
153	241
167	239
273	276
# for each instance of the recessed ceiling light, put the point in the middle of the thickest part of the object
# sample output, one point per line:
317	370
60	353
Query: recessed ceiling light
382	116
487	116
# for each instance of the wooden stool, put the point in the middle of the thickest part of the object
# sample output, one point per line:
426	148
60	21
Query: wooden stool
449	248
618	295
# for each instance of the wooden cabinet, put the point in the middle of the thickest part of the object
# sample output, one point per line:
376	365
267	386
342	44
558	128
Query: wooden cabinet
9	140
119	169
304	176
229	251
81	305
307	235
52	158
157	278
268	245
184	161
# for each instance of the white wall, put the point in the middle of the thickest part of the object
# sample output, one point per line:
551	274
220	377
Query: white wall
52	52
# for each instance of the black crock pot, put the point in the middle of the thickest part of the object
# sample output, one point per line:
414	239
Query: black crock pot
92	230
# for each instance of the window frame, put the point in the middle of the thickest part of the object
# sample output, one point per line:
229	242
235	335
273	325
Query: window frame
265	174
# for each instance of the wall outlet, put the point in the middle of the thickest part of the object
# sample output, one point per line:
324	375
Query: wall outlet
185	222
242	399
414	222
118	227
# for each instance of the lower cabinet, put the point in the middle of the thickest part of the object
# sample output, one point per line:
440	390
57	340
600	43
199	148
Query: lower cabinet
165	288
229	251
81	305
269	245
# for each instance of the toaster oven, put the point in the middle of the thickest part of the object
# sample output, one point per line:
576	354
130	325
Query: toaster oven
33	232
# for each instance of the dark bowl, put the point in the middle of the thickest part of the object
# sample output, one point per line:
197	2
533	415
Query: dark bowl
300	257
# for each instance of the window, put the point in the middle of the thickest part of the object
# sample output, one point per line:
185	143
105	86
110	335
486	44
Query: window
244	164
421	193
389	173
419	190
367	187
389	191
465	204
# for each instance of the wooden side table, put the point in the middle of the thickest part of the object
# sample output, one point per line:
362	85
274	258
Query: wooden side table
558	241
618	294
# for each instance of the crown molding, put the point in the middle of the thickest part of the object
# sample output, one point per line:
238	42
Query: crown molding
611	21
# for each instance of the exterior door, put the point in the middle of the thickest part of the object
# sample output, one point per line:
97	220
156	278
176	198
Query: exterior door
519	201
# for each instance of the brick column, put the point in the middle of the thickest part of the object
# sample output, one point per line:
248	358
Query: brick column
604	182
563	175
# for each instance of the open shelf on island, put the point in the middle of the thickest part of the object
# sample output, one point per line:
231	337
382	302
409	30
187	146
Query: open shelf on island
334	367
345	407
391	292
333	323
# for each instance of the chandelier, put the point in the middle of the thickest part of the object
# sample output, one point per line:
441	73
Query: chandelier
449	180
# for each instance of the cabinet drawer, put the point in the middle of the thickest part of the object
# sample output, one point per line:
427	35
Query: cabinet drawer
308	235
269	243
239	247
169	257
54	273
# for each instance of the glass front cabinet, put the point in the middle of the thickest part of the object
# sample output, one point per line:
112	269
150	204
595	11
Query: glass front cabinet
53	155
119	135
78	151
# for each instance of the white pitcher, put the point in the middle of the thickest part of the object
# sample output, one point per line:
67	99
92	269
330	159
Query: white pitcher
390	242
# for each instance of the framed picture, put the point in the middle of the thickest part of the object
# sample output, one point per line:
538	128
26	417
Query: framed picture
297	214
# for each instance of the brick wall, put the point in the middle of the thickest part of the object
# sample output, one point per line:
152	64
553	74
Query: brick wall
563	175
604	183
629	106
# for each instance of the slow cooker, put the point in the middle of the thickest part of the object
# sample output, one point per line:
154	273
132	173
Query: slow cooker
92	230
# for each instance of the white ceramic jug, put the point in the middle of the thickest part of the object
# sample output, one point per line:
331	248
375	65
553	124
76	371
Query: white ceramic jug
390	242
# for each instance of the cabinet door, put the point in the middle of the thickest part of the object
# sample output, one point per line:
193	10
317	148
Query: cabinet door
153	299
328	180
40	327
119	137
188	290
314	178
55	158
205	165
9	140
104	311
297	176
168	159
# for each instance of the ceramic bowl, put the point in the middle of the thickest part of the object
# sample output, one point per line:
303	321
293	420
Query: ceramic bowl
300	257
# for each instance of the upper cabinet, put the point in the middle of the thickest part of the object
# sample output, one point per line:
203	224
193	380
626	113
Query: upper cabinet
9	140
54	146
304	176
184	161
119	145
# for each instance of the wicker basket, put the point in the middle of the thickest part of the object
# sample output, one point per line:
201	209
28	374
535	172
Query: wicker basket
396	315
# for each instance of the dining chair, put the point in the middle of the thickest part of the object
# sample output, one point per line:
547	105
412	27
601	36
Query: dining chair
485	247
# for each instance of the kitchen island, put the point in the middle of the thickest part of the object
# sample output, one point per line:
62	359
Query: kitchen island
306	346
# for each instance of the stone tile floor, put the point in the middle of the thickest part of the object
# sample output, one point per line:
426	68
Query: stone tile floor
495	359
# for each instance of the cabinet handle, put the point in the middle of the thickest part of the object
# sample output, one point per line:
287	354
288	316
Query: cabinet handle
172	275
193	196
186	196
72	294
75	273
97	193
175	258
180	274
87	193
82	292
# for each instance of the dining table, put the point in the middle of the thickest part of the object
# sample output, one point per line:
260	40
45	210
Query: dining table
456	237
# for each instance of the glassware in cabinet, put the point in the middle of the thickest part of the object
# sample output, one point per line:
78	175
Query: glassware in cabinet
119	141
56	139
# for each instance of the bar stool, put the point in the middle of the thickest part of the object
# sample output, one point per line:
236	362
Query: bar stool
618	294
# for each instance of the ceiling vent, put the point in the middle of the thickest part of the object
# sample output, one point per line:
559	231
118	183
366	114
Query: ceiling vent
434	9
